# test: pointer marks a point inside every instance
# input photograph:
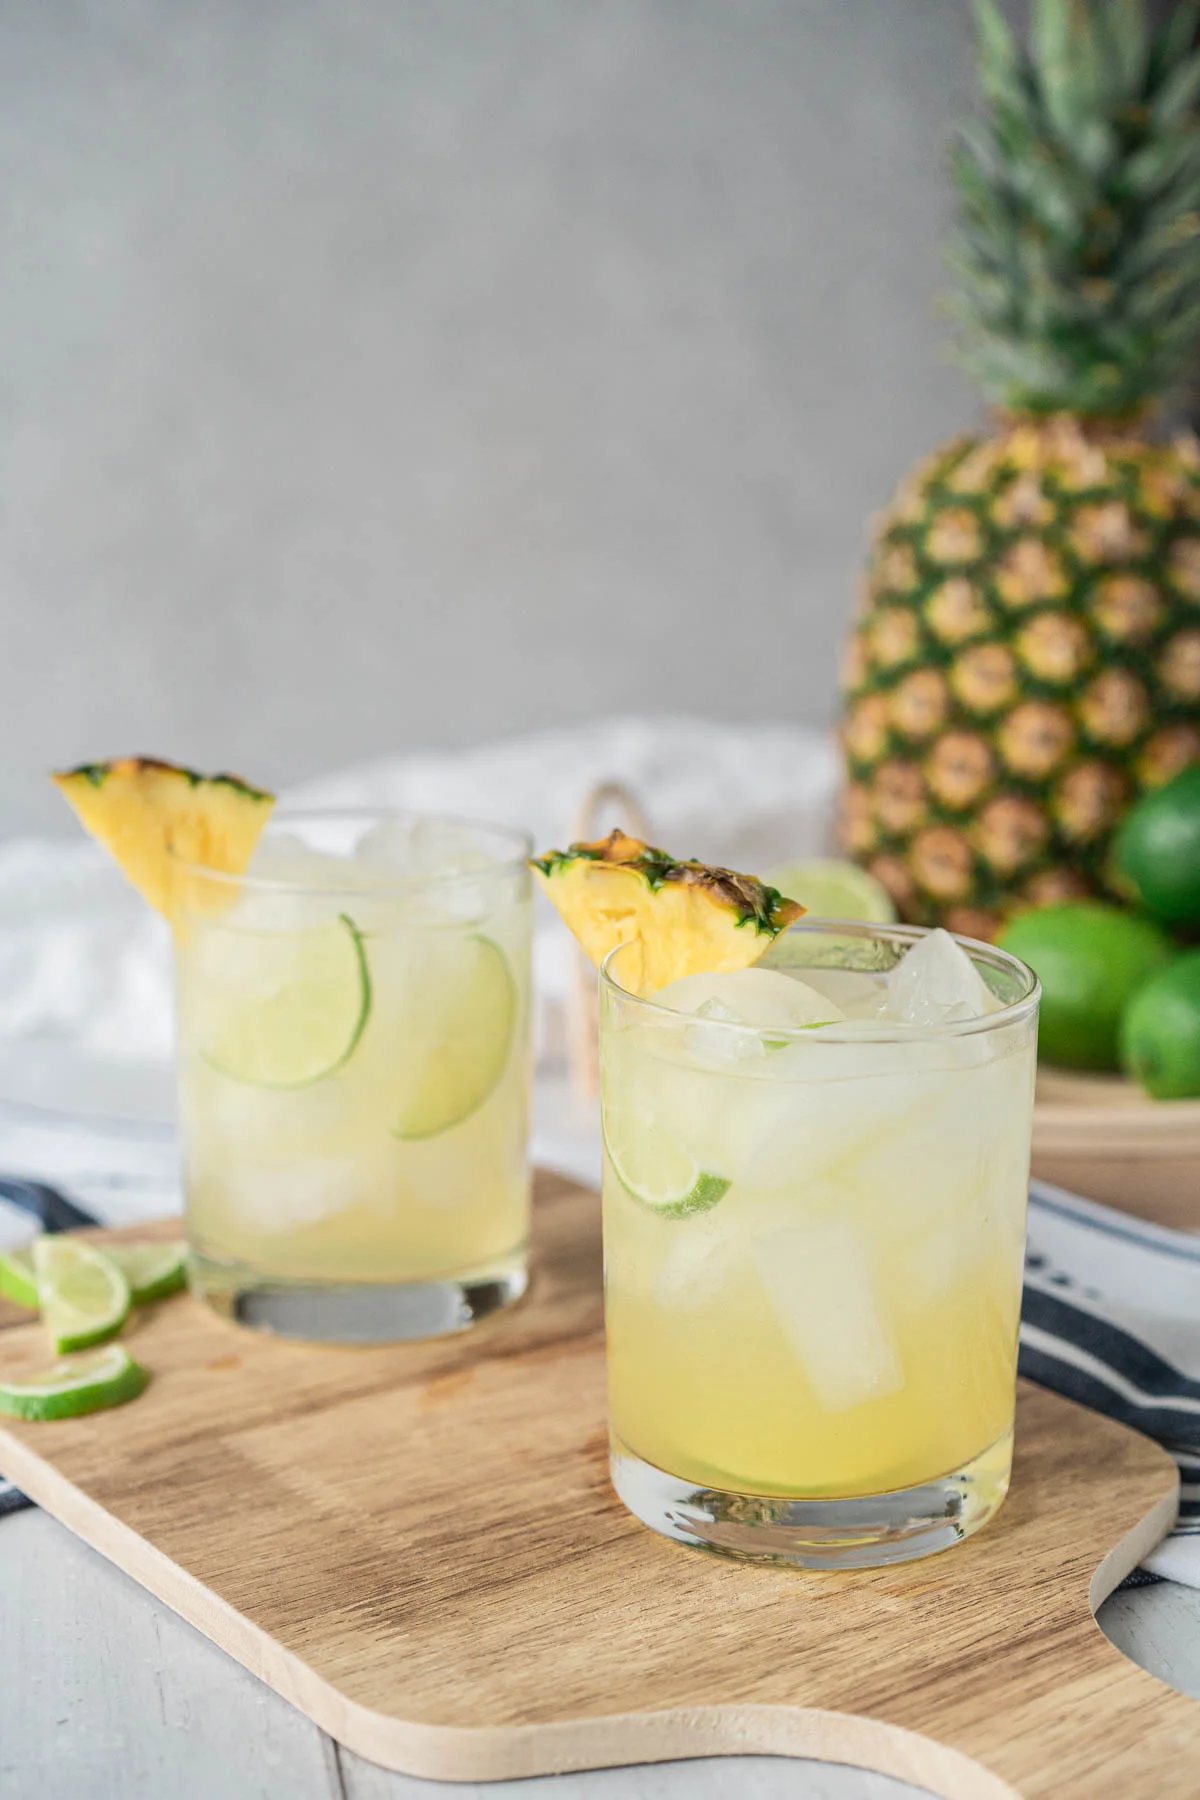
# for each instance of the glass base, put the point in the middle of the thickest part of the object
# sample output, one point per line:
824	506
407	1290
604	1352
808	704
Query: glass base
356	1312
859	1533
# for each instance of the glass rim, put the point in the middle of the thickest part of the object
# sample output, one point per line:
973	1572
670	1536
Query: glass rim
521	843
1016	1012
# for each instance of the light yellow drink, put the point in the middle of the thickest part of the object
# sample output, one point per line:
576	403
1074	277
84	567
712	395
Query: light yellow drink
354	1077
813	1246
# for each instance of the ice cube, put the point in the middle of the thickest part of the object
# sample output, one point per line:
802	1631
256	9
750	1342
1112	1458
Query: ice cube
786	1133
930	1267
857	996
285	857
937	984
818	1279
294	1194
435	866
758	997
291	886
650	1078
697	1263
715	1047
421	847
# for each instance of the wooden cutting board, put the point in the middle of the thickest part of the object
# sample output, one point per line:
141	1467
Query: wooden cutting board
420	1549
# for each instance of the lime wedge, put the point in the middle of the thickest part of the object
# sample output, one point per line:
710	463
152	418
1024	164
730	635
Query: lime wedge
152	1270
83	1295
76	1384
18	1280
831	889
290	1010
458	1031
661	1175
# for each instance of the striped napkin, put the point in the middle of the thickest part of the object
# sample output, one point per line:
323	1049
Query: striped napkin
1110	1318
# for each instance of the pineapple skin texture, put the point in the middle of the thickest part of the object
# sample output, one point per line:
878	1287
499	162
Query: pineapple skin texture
147	813
1025	663
678	918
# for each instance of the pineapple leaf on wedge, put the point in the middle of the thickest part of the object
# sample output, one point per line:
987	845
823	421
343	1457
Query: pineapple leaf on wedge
149	814
682	918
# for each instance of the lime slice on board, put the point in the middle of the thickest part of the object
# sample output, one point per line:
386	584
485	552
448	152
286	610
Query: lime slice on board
75	1385
83	1295
458	1032
152	1270
831	889
290	1012
18	1278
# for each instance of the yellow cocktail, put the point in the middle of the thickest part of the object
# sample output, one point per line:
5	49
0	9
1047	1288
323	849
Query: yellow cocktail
814	1205
354	1076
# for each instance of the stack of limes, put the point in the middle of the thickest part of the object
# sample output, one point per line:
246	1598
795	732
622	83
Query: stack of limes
1120	986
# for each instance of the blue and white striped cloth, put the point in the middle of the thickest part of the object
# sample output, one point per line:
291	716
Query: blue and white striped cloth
1111	1312
1111	1318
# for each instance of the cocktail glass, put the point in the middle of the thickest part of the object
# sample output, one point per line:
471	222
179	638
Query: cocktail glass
354	1076
813	1250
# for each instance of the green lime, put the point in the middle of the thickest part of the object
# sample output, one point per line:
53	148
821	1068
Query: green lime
152	1270
831	889
284	1009
647	1157
83	1295
1160	1032
1091	959
18	1280
458	1014
662	1176
76	1384
1156	853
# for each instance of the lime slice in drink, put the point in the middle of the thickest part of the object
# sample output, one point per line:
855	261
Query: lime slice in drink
152	1270
831	889
76	1384
18	1279
83	1295
458	1022
657	1171
288	1008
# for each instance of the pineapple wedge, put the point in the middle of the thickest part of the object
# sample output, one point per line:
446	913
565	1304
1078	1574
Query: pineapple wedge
683	918
146	813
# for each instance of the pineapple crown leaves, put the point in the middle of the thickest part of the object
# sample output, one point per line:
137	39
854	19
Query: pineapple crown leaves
1078	245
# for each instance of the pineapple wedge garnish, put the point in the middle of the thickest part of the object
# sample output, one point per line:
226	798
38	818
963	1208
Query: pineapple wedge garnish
151	815
681	918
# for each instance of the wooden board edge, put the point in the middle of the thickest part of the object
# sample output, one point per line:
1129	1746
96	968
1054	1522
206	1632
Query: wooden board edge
1134	1547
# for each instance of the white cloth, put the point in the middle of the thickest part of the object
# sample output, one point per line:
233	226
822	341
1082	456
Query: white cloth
85	967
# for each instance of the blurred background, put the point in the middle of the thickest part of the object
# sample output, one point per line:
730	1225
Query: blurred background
382	374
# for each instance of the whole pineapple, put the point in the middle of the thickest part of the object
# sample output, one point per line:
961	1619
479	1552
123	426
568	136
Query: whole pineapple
1027	659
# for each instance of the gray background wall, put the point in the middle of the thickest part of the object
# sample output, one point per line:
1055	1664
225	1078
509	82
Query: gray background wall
377	373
